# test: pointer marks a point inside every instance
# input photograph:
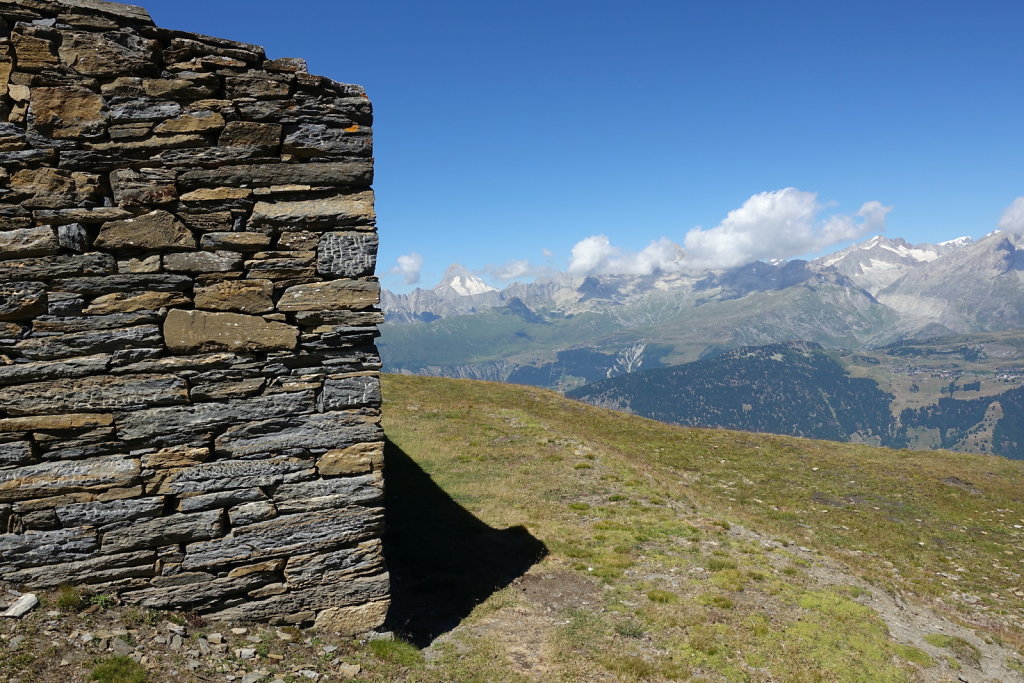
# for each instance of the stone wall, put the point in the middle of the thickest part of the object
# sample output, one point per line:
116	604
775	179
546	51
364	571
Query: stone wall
189	390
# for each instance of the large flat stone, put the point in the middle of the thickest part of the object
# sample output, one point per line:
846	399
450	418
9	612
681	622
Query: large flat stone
196	595
176	528
68	112
201	417
56	422
20	373
317	431
155	230
334	295
15	453
146	186
51	267
98	514
38	241
129	302
91	394
34	548
52	478
203	261
108	54
331	212
89	343
287	535
356	174
355	459
354	604
233	474
191	330
244	296
308	569
95	286
321	494
100	569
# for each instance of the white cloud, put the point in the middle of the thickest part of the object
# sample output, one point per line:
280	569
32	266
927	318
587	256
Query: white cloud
409	266
778	225
595	255
1013	216
519	268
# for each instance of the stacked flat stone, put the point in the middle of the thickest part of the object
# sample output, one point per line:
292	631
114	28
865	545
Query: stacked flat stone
189	388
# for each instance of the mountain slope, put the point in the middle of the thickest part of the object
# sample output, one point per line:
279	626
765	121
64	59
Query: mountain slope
684	553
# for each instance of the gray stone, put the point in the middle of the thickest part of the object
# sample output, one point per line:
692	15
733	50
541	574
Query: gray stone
132	109
197	595
219	499
250	513
287	535
358	590
73	236
100	569
351	173
22	606
51	478
176	528
52	267
19	373
317	431
95	286
350	392
347	254
313	140
321	494
92	323
203	261
101	514
83	343
309	569
236	241
45	547
15	453
227	474
22	300
85	394
37	241
197	418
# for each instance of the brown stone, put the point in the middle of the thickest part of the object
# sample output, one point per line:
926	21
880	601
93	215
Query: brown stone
252	134
330	296
235	241
144	186
68	112
38	241
44	479
108	54
353	619
127	302
176	456
357	459
54	188
55	423
154	230
216	194
342	210
245	296
196	122
203	261
190	330
34	47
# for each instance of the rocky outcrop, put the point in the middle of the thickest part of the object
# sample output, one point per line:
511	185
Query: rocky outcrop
189	389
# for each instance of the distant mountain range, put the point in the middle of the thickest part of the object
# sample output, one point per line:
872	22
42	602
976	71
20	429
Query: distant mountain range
970	401
566	331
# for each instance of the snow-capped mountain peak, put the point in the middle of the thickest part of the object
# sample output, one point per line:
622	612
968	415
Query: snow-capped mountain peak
958	242
462	282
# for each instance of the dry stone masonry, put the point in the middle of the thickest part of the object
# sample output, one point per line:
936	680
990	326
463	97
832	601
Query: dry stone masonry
189	388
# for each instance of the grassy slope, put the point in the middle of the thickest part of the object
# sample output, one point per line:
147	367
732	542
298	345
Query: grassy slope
708	548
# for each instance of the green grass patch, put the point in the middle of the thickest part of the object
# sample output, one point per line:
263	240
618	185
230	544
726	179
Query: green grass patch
662	596
118	670
397	651
914	654
963	650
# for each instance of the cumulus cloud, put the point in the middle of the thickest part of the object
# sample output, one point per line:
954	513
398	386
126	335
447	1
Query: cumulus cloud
519	268
595	255
408	267
1013	217
778	225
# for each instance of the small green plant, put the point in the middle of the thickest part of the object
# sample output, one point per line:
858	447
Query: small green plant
662	596
958	646
69	598
103	600
118	670
629	629
1014	664
630	667
582	466
396	651
914	655
579	506
616	497
715	600
717	564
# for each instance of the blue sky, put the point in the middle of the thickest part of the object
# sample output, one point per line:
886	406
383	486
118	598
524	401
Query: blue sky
512	132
